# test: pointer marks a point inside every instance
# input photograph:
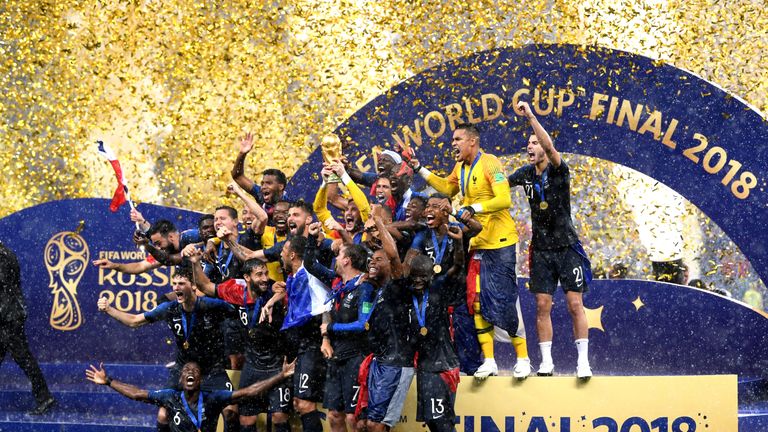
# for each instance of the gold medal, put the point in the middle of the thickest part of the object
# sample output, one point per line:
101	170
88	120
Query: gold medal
543	205
185	345
367	326
252	332
423	331
437	268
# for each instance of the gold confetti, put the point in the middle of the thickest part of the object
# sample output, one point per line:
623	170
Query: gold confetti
172	85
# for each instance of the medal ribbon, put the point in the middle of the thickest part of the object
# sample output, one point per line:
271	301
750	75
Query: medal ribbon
256	308
421	312
188	328
540	185
469	174
196	421
224	268
441	251
347	287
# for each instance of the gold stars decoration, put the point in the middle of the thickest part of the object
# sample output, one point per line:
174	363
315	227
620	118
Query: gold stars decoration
638	303
594	318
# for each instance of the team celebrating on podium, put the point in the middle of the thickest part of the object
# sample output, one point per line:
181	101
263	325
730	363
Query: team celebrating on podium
417	277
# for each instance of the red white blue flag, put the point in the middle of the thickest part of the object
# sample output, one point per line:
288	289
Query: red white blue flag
121	193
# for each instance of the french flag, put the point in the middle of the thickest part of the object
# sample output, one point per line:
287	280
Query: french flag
306	298
121	193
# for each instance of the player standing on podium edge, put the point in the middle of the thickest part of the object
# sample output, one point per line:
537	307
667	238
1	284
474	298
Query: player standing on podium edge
492	294
555	253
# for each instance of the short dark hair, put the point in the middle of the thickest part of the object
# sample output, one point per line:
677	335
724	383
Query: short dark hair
422	262
438	195
203	218
471	129
232	212
419	198
358	254
298	244
251	264
305	206
279	175
184	271
162	227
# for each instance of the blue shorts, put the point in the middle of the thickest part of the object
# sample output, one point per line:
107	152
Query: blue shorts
309	376
387	388
564	265
498	286
435	398
276	399
341	387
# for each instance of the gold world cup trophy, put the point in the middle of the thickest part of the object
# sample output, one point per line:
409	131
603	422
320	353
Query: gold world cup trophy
331	149
66	258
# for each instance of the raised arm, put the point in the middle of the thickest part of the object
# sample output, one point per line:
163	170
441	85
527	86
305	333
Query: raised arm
545	141
357	194
261	216
320	204
241	252
311	263
201	279
125	318
458	251
389	246
137	267
238	170
445	185
99	376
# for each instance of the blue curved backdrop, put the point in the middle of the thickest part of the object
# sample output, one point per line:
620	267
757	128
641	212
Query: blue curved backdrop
686	105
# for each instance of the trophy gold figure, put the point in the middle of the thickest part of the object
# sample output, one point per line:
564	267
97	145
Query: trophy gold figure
331	149
66	258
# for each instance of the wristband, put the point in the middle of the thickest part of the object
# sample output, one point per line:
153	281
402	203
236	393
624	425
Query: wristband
109	382
345	178
423	172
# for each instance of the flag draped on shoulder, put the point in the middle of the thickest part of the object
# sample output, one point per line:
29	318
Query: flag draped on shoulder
121	193
306	298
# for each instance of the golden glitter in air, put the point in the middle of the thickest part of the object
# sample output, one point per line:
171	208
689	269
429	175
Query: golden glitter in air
171	85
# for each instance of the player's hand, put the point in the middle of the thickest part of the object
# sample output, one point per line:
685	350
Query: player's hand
246	143
266	313
338	168
326	348
136	216
192	252
225	234
523	109
96	375
333	225
314	229
233	188
288	368
465	214
140	238
105	263
455	232
209	254
102	304
408	155
278	287
326	171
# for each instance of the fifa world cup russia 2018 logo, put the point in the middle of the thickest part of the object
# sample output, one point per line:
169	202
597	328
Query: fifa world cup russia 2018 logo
66	258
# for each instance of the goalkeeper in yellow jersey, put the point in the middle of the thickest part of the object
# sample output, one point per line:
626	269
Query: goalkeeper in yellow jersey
491	279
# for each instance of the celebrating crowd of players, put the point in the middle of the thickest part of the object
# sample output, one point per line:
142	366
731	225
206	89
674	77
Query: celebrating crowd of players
403	285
